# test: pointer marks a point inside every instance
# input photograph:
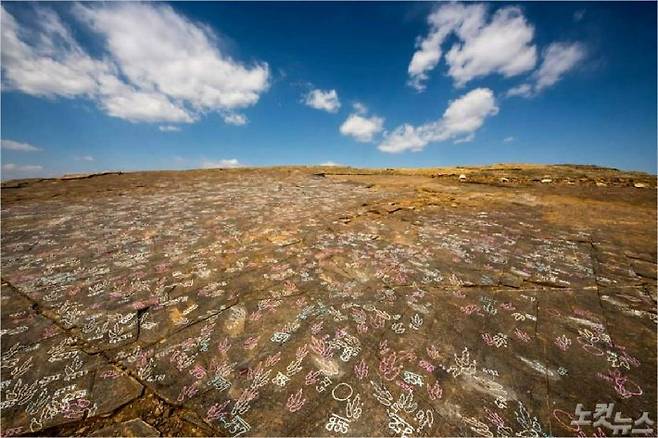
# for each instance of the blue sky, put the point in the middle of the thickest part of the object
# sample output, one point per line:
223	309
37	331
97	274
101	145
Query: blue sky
95	86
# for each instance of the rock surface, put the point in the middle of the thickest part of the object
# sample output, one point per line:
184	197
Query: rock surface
301	301
131	428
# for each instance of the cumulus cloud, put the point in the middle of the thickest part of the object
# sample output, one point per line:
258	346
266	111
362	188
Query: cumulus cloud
12	145
235	119
443	21
557	59
126	102
509	139
362	128
46	61
157	65
222	164
169	128
330	164
84	158
175	56
323	100
460	121
499	44
404	138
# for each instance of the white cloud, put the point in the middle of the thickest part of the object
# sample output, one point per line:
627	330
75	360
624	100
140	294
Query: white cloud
157	48
330	164
85	158
467	114
558	59
169	128
223	164
460	121
359	108
126	102
158	66
46	60
501	45
523	90
323	100
469	138
443	21
362	128
403	138
12	145
509	139
17	168
235	119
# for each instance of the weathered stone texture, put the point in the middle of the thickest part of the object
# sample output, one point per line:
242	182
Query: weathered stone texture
282	302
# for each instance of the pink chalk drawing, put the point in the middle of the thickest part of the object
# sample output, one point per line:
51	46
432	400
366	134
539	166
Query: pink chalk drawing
273	359
433	352
110	374
388	367
217	410
383	347
624	386
563	342
224	346
198	372
435	391
250	343
377	321
301	352
187	392
312	377
426	366
295	401
470	309
320	347
522	335
508	306
317	327
361	369
255	316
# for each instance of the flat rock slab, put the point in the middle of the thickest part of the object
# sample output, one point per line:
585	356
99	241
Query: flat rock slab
288	303
132	428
